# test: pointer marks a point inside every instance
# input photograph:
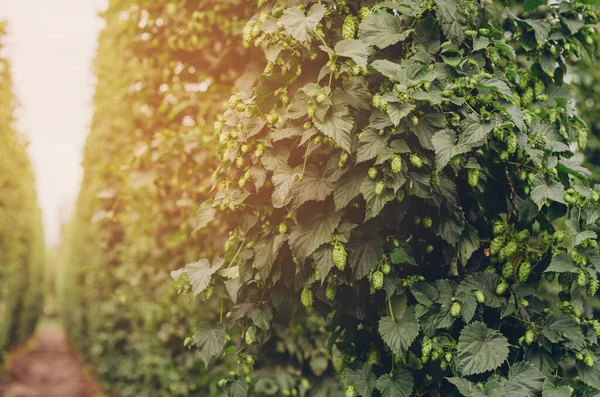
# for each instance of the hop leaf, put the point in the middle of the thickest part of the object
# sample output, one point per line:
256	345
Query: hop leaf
480	349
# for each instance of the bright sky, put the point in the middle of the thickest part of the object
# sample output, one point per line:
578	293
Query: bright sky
51	45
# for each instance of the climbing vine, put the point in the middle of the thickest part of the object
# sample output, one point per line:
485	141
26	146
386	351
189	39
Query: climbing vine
22	254
408	201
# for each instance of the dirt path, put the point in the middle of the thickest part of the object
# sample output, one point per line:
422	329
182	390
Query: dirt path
48	369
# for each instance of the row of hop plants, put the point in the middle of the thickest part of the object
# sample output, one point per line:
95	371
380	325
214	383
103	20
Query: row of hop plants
164	69
411	219
22	252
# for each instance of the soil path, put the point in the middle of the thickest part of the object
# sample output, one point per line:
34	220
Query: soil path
48	369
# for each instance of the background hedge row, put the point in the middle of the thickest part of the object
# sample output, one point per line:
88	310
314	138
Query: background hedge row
22	252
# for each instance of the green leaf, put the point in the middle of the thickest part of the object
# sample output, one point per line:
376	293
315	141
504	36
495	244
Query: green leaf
338	126
239	388
542	191
370	145
353	49
485	282
205	214
348	187
306	238
533	4
261	317
589	375
301	26
497	85
584	235
398	384
363	379
562	263
200	273
324	260
467	244
524	380
446	147
465	387
375	202
560	327
551	390
480	349
285	181
398	111
365	256
400	256
541	29
382	29
399	333
210	340
481	43
475	130
266	251
451	20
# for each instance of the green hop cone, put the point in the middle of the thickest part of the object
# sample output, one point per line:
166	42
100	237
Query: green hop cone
511	144
588	360
448	357
339	256
592	287
527	97
416	161
524	271
501	288
386	268
349	28
496	245
250	335
282	228
350	391
507	270
435	356
435	180
511	249
396	164
427	222
479	296
539	88
379	186
498	227
330	292
364	12
377	280
559	236
443	365
372	173
581	279
306	297
473	177
582	137
426	348
455	309
529	336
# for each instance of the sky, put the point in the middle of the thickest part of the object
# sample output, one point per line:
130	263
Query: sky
51	46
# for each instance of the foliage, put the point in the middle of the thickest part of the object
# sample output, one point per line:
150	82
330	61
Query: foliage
397	176
164	69
22	252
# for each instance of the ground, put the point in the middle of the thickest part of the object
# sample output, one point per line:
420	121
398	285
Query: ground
46	367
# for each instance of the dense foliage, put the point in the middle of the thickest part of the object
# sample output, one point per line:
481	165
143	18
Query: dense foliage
22	254
164	70
406	197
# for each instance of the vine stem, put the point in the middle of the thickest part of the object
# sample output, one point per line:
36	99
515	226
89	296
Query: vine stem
221	313
237	253
391	309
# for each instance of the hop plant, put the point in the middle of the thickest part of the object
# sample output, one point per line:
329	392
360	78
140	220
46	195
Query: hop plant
479	296
372	173
349	27
592	287
524	271
377	280
473	177
455	309
511	144
396	164
581	279
339	256
501	288
416	160
306	297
